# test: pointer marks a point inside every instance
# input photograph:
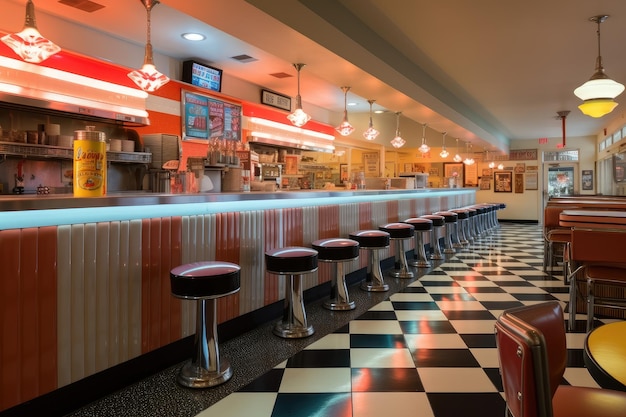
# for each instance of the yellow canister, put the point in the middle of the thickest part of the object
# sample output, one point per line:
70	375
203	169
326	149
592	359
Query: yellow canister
90	163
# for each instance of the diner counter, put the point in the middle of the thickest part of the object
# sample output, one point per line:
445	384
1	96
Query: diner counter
15	210
85	282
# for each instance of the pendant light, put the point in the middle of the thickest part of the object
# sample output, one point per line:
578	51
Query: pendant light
600	91
457	156
298	117
398	142
444	153
424	148
492	164
345	128
468	159
148	78
29	44
371	133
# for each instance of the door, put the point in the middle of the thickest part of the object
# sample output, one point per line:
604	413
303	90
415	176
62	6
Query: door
560	180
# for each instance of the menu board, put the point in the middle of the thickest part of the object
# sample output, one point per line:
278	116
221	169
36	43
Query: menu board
206	117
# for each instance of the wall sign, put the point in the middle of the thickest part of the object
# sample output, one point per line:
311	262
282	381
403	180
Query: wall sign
273	99
205	118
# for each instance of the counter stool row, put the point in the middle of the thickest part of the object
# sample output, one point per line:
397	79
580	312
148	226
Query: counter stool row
205	282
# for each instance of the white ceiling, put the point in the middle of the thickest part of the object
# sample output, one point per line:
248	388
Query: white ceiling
486	71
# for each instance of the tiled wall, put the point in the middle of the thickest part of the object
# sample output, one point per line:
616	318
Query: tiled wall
78	299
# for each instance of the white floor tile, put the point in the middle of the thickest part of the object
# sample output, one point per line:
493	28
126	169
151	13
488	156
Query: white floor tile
396	404
316	380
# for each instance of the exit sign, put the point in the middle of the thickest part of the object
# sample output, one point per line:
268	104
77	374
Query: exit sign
543	141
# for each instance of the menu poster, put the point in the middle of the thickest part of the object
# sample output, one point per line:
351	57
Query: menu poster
216	115
206	117
232	121
196	115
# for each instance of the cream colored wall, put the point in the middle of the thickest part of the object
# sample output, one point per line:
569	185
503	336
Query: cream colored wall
529	204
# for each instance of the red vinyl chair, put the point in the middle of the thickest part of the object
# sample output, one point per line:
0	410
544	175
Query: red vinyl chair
533	357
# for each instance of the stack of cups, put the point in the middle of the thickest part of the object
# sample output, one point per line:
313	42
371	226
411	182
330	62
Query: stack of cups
53	131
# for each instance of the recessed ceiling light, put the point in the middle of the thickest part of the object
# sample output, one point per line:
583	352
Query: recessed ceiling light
352	103
193	36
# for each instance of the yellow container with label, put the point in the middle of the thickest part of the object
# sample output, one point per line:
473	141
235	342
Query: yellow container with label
90	163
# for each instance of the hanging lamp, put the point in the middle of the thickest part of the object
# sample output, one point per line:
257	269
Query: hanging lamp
397	141
370	133
599	92
29	44
148	78
457	156
492	164
424	148
298	117
444	153
345	128
468	159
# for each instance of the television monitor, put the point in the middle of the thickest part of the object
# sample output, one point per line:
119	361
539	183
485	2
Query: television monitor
201	75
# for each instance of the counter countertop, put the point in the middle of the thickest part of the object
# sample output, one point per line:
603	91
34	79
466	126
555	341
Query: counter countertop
50	210
64	201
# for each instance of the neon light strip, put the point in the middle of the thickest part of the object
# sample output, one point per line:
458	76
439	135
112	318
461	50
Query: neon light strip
291	129
294	141
14	64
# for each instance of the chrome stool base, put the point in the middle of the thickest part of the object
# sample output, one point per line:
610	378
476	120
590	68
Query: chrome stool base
194	376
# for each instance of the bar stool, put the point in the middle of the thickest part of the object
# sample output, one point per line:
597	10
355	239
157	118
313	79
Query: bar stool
337	251
479	220
469	225
293	262
421	226
439	223
205	282
372	241
450	219
399	233
463	219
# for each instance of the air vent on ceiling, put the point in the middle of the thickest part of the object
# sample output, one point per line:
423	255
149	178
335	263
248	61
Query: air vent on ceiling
243	58
84	5
281	75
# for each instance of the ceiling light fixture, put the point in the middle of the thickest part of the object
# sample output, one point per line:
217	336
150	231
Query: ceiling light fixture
600	91
468	159
444	153
345	128
457	156
194	37
424	148
148	78
29	44
371	133
298	117
398	142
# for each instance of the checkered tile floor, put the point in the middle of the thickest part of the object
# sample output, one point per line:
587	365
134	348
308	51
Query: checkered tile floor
428	350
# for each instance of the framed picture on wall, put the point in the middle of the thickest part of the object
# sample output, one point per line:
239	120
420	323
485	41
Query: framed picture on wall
344	175
531	180
485	183
587	178
502	182
519	183
453	169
